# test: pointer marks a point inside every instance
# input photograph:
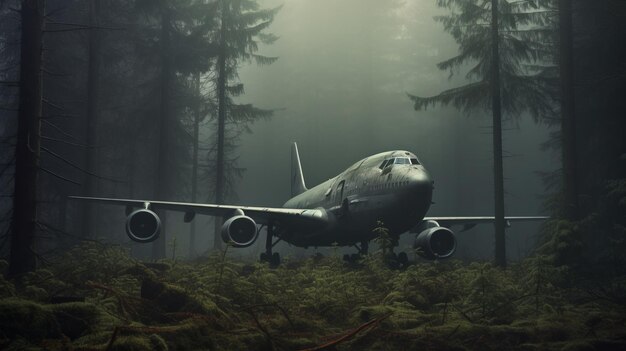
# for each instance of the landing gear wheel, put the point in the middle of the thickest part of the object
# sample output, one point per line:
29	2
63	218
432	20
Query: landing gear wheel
392	260
275	260
403	258
264	257
355	257
346	258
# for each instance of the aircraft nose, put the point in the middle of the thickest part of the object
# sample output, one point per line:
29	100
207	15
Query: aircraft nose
420	191
421	180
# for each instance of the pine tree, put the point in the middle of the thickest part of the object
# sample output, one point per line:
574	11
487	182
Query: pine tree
197	116
568	120
27	151
502	43
9	90
93	80
184	48
242	26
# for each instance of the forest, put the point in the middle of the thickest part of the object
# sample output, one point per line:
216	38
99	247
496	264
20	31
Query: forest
516	107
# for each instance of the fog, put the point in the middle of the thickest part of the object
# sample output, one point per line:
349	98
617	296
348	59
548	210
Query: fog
116	115
339	88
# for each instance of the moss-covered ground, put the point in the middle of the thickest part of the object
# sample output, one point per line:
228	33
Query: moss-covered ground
99	298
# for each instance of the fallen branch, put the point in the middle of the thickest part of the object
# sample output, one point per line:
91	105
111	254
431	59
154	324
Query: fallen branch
270	338
462	313
371	325
275	305
142	330
108	290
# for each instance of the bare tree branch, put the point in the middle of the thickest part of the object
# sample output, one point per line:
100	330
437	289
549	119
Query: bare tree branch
59	176
73	165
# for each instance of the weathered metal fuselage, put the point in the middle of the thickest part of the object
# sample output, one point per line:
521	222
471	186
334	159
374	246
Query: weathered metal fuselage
398	195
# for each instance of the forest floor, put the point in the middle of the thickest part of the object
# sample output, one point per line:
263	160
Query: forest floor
97	297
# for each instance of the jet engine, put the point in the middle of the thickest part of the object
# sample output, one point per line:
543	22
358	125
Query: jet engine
240	231
143	226
435	243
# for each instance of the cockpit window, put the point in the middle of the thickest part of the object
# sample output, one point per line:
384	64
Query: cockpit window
399	161
402	161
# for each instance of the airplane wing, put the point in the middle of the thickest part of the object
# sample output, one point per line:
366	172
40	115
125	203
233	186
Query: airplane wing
262	215
470	222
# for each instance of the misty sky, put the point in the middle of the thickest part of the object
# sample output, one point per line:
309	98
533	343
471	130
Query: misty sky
341	81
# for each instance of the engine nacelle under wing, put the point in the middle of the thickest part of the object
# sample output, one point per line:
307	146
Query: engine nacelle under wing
240	231
435	243
143	226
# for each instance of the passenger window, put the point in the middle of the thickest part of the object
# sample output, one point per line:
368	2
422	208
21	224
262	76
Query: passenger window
414	161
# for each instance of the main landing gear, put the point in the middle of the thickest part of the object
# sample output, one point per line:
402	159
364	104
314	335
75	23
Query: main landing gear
362	251
391	259
398	261
272	258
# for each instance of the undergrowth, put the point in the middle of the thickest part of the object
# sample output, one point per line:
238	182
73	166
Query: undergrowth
99	298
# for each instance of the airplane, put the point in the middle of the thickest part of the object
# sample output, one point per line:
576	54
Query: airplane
391	189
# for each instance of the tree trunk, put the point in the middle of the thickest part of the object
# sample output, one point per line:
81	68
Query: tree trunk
27	151
93	78
568	122
498	169
221	122
158	246
194	170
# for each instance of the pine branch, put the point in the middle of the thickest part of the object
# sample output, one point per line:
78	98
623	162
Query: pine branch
67	142
58	129
73	165
47	102
54	74
59	176
468	96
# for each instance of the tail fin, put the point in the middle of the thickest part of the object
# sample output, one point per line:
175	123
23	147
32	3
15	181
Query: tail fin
297	178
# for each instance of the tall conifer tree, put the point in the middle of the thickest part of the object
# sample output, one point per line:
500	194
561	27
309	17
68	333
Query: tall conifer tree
184	48
90	125
568	120
242	25
498	42
27	151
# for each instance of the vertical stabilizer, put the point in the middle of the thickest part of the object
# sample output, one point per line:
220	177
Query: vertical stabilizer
297	178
